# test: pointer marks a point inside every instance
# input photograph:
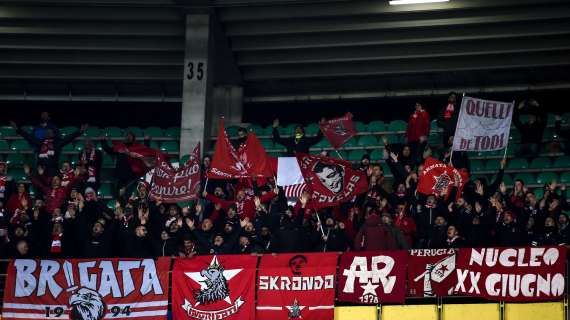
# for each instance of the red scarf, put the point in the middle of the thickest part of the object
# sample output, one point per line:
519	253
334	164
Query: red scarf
3	180
450	241
55	243
46	149
449	111
66	177
91	170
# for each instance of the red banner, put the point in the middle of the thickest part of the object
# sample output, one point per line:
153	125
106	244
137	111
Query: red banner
331	181
141	158
431	272
174	185
225	162
86	289
512	274
372	277
338	131
437	178
254	158
214	287
296	286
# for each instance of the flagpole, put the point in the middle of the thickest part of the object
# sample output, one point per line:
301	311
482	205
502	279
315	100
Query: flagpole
338	154
320	224
206	184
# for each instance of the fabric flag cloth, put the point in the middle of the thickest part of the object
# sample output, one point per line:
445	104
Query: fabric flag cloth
214	287
289	176
174	185
373	277
483	125
431	272
254	158
437	178
296	286
512	274
226	162
338	131
331	181
141	157
86	289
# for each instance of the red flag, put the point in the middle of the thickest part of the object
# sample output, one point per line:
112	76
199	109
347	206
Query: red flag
437	178
373	277
431	272
253	156
226	161
331	181
86	289
176	184
296	286
214	287
339	130
141	157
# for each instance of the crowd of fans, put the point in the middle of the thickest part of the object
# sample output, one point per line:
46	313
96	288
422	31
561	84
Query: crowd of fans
67	219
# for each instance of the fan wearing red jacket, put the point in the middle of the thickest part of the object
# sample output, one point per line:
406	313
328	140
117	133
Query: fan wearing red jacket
245	204
418	127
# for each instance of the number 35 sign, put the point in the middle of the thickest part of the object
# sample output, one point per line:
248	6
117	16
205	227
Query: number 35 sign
86	289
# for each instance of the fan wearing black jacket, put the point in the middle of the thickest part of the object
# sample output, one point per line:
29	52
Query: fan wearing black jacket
299	143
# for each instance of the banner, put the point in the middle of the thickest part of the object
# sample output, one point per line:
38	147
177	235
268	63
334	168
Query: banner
86	289
338	131
373	277
141	158
174	185
431	272
296	286
214	287
225	161
483	125
254	158
331	181
512	274
437	178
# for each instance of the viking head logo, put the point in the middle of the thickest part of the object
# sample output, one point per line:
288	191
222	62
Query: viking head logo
340	130
86	304
441	182
216	284
331	175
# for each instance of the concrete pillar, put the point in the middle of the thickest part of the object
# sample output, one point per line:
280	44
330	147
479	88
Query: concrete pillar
196	84
227	102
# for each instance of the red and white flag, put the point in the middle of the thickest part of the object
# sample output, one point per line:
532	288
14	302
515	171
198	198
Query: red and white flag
331	181
437	178
338	131
174	185
214	287
141	158
296	286
226	162
289	176
86	289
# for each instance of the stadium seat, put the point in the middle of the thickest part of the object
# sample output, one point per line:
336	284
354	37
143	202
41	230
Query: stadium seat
290	129
135	130
107	175
377	155
154	144
257	129
515	136
65	131
397	126
79	146
527	178
546	177
492	165
153	132
360	126
433	126
539	193
477	165
507	179
105	190
108	161
4	146
512	149
394	138
92	132
279	147
565	177
540	163
184	158
367	141
232	131
312	129
20	145
323	144
172	132
377	126
517	163
18	175
386	169
356	155
352	143
562	162
113	132
339	154
170	146
7	131
15	159
68	148
111	204
268	144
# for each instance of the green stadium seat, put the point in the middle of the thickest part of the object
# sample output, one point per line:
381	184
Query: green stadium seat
492	165
138	132
15	159
397	126
276	154
65	131
323	144
356	155
68	148
434	139
20	145
290	129
434	126
517	163
386	170
18	175
108	161
352	143
153	132
360	126
367	141
111	204
377	126
172	132
546	177
515	136
339	154
565	177
4	146
7	132
279	147
232	131
170	146
267	144
562	162
377	155
257	129
394	138
550	119
107	175
527	178
477	165
79	146
539	193
113	132
92	132
549	133
312	129
540	163
512	149
105	190
507	179
154	144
